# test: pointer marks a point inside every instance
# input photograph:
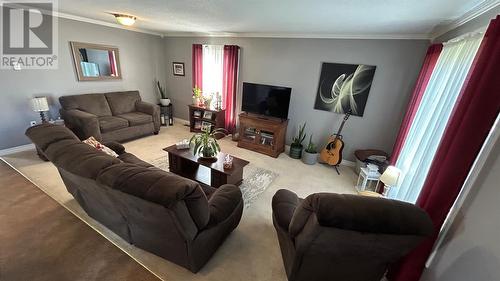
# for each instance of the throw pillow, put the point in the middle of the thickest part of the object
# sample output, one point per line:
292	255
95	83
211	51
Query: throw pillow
99	146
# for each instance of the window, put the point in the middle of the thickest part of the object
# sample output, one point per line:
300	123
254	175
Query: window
432	116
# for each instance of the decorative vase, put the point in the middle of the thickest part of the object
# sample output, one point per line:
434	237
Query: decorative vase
196	102
309	158
208	103
165	102
296	151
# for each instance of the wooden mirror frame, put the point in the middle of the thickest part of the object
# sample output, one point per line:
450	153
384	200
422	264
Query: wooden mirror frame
75	46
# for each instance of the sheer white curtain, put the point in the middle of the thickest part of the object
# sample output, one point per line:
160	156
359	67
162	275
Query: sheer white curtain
432	116
212	69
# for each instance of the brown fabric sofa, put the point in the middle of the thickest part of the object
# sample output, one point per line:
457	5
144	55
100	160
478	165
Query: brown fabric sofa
114	116
160	212
329	236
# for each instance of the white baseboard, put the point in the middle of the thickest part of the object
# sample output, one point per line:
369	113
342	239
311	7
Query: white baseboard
348	163
182	121
16	149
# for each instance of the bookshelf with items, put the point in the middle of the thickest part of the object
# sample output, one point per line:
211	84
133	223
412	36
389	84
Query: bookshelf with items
201	118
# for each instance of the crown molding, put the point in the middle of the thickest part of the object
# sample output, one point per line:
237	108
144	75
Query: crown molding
105	23
473	13
299	35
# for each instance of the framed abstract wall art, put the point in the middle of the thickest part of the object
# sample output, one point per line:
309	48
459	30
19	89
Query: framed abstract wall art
344	87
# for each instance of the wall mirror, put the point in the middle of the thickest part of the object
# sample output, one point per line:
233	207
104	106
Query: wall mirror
94	62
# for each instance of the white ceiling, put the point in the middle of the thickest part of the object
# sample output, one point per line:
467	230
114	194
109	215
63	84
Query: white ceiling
328	18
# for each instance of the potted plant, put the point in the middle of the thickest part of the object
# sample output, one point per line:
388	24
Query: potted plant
164	100
296	146
205	143
310	155
197	96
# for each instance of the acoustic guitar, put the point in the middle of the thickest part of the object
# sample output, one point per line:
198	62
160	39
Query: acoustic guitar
332	153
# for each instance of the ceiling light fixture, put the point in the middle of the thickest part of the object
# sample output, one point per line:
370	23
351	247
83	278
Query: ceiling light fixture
125	19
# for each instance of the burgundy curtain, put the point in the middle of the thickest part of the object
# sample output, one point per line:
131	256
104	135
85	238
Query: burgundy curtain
112	63
198	66
230	84
422	81
471	120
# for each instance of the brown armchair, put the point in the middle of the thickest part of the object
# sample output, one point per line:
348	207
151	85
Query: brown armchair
115	116
329	236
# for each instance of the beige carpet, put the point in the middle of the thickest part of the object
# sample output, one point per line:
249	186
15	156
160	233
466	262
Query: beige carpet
251	252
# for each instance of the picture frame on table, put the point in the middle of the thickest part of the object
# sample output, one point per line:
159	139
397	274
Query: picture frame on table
207	115
206	126
178	69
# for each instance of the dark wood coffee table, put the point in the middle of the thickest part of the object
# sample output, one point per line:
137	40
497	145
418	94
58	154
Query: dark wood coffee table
208	172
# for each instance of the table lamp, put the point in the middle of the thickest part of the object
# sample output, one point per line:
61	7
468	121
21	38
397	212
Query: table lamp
389	178
40	104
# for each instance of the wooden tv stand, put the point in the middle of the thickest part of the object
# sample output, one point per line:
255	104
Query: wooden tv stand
262	134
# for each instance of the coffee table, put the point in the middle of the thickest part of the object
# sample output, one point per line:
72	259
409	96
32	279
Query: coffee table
208	172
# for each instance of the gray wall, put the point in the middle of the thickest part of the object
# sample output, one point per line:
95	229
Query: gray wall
141	57
296	63
471	250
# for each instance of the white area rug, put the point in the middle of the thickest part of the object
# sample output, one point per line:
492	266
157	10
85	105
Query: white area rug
255	180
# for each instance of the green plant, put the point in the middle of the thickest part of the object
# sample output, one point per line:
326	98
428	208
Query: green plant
297	140
205	143
311	147
161	90
196	92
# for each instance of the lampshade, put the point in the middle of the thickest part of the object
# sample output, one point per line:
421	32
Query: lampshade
125	19
390	176
40	104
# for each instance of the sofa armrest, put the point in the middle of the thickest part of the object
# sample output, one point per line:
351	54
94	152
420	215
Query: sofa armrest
151	109
83	124
223	202
284	205
115	146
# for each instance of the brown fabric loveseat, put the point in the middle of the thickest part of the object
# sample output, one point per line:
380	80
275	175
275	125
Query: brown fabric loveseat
160	212
114	116
329	236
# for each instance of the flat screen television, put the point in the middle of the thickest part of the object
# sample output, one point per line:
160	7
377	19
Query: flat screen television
266	100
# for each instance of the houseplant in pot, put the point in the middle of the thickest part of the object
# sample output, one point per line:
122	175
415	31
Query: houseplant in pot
197	96
164	100
310	154
205	143
296	146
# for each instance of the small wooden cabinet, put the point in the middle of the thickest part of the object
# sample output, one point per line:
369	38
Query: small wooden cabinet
201	116
262	134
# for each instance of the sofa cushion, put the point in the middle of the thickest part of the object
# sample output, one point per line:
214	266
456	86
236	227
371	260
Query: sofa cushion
111	123
132	159
122	102
91	103
137	118
68	152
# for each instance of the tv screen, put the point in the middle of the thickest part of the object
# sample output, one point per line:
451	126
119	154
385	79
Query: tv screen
266	100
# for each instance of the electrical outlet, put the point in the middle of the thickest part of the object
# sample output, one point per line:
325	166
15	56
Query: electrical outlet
32	123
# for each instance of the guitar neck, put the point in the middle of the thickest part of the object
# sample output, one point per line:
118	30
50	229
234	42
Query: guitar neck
340	129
